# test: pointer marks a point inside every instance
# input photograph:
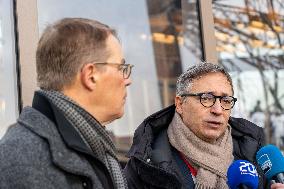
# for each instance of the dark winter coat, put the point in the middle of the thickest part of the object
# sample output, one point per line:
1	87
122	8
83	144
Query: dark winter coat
154	162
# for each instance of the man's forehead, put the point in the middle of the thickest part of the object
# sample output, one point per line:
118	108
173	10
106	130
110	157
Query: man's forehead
211	74
208	83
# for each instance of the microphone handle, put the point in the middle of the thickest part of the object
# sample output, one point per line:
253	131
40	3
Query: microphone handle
243	186
279	178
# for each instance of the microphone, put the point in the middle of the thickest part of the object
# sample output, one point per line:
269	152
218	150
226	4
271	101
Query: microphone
242	175
271	161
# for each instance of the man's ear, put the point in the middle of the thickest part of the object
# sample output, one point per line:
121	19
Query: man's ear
88	76
178	103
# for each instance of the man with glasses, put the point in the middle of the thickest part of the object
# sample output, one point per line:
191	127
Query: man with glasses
61	141
191	144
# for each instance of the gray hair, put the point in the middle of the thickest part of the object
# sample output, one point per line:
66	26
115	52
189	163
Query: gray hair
66	46
185	80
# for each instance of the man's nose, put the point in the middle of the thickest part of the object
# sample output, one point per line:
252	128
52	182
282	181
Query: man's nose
217	108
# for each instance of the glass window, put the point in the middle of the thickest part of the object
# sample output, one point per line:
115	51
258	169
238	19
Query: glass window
175	34
159	37
8	74
250	37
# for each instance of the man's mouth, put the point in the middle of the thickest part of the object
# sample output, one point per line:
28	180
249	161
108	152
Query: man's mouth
214	123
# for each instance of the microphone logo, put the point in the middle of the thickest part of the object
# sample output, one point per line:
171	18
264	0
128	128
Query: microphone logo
247	168
265	163
242	174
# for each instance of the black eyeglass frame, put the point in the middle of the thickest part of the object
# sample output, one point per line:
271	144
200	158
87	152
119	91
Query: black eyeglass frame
215	98
122	66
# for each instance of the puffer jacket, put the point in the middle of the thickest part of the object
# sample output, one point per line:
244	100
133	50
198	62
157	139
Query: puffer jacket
153	162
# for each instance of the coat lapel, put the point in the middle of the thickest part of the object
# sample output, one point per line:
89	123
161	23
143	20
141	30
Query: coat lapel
62	156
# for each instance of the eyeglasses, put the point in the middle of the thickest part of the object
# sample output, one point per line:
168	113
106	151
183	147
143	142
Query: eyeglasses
126	68
208	100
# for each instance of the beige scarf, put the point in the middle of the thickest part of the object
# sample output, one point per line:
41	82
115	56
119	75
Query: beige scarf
210	160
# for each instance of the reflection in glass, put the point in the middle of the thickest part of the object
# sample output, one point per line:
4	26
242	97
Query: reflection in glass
250	42
192	45
165	24
8	76
176	41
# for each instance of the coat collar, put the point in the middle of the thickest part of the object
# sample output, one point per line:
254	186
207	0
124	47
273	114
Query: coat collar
145	133
61	155
148	145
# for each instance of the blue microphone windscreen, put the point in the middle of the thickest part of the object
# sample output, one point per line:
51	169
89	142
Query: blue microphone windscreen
271	160
242	172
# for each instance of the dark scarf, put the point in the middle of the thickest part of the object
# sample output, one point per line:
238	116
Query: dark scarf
92	132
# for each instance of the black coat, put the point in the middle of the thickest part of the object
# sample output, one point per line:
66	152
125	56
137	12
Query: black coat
153	162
